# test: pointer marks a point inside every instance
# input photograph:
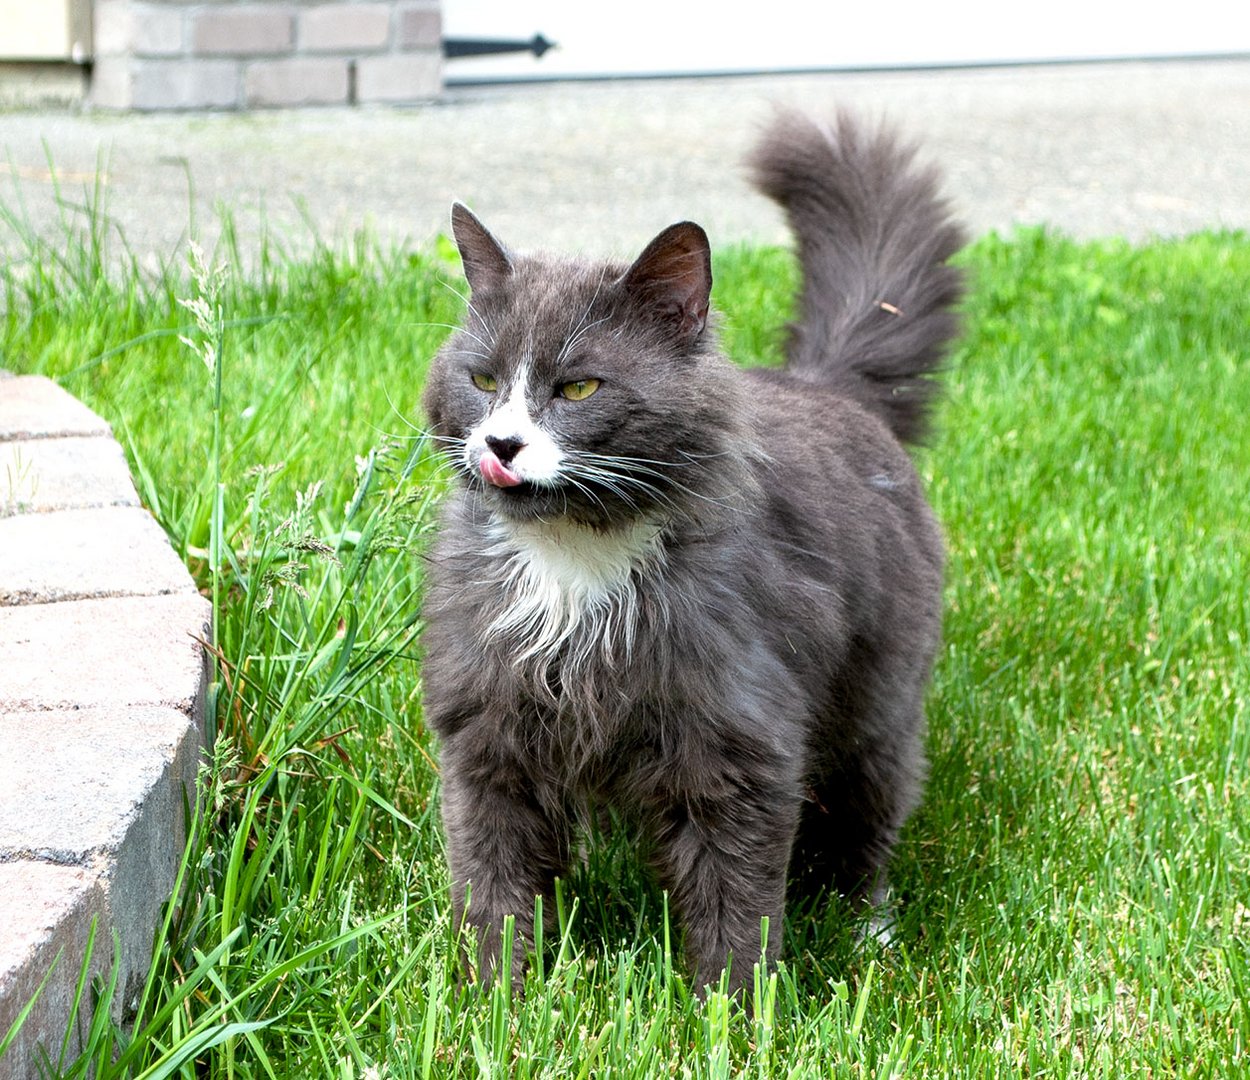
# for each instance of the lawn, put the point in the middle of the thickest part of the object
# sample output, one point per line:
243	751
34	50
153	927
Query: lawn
1075	889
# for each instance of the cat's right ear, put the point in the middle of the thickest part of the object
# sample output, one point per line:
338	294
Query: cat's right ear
673	278
486	263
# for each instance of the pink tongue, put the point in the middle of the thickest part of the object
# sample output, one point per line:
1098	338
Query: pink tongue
496	472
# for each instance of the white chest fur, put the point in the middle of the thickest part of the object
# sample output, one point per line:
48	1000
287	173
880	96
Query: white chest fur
568	584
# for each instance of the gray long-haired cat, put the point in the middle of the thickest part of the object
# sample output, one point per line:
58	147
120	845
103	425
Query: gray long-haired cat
703	597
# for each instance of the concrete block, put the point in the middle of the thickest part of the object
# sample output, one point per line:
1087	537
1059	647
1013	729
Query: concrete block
145	863
38	475
113	27
86	654
344	27
131	809
159	30
35	898
112	83
297	81
127	28
35	407
399	78
75	784
48	914
185	84
80	554
251	30
420	26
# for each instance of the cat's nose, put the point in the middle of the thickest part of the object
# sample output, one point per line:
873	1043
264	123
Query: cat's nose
505	449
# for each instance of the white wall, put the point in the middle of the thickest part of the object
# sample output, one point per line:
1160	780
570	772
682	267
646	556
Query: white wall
45	30
672	36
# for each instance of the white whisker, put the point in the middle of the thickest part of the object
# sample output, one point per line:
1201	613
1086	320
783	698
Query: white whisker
582	328
400	416
468	303
622	473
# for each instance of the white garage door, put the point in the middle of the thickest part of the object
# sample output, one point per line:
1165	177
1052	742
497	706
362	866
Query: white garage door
654	37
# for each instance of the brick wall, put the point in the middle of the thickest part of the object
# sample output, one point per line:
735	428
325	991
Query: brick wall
238	54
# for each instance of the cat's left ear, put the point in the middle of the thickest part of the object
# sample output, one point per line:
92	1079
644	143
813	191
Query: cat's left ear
673	278
486	263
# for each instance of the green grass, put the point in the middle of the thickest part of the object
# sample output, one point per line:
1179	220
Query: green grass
1075	887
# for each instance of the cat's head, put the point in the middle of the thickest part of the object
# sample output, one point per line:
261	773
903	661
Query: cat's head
581	390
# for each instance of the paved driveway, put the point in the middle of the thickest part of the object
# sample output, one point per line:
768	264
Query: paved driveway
1121	148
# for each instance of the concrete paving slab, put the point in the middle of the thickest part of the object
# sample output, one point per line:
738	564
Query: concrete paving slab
145	864
34	407
73	783
48	914
102	792
39	475
87	654
81	554
35	898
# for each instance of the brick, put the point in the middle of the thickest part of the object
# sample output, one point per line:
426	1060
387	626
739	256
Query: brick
81	554
345	27
74	784
297	81
158	30
243	31
35	898
104	653
146	863
112	82
48	910
126	28
420	26
399	78
34	407
185	84
40	475
113	27
102	789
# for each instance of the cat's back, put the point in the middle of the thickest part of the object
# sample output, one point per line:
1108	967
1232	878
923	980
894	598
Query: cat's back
828	446
844	508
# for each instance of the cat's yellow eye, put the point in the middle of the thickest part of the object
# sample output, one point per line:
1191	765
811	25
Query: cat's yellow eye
579	390
485	382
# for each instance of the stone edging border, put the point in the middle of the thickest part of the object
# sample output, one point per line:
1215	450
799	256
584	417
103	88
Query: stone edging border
102	713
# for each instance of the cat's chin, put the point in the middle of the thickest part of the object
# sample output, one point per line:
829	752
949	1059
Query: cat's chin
529	504
525	501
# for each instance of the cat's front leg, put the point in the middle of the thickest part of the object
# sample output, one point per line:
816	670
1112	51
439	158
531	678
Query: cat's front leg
503	848
724	862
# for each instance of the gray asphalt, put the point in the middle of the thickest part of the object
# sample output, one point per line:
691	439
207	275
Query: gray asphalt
1127	149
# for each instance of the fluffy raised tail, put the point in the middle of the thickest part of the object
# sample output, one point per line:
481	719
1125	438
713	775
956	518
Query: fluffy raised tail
876	307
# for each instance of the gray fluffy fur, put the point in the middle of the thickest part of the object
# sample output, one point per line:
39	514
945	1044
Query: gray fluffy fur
748	691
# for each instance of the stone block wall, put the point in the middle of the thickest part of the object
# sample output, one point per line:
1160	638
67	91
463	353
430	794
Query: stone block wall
102	718
238	54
